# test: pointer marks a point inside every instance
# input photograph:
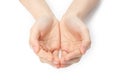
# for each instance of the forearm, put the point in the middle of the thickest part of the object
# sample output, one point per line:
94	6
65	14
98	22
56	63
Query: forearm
37	8
82	7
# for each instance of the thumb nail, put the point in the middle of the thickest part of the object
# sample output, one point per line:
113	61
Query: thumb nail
35	49
83	50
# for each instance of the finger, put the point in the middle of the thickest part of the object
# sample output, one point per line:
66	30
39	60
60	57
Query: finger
84	46
73	61
45	61
65	65
84	33
56	61
56	57
45	55
69	63
34	36
63	55
73	55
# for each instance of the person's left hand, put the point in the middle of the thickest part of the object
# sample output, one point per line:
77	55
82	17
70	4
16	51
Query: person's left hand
75	40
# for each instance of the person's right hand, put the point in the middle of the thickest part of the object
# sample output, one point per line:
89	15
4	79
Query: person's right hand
45	40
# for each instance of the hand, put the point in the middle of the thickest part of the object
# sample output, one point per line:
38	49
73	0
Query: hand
75	40
45	40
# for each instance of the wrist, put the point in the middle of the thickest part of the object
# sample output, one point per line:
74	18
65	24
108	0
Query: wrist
70	15
44	15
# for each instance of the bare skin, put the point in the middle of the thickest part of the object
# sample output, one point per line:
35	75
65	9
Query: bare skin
75	38
44	34
48	35
74	34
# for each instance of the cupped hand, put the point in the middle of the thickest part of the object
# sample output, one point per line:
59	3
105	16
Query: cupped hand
45	40
75	40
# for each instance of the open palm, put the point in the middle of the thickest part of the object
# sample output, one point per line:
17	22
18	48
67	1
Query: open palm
45	39
75	40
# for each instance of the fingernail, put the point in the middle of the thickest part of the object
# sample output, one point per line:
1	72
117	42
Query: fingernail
35	49
83	50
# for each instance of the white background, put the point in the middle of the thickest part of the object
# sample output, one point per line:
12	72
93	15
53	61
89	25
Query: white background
18	62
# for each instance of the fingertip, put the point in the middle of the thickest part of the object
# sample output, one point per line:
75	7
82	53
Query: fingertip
83	50
62	66
85	45
63	63
34	45
57	66
56	63
35	49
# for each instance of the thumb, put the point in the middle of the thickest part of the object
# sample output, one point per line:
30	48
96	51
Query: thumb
84	46
34	38
86	41
84	33
35	47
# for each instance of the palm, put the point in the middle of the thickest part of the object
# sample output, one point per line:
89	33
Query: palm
70	39
49	39
46	36
74	34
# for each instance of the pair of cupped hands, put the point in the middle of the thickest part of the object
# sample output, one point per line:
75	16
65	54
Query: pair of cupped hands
70	35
